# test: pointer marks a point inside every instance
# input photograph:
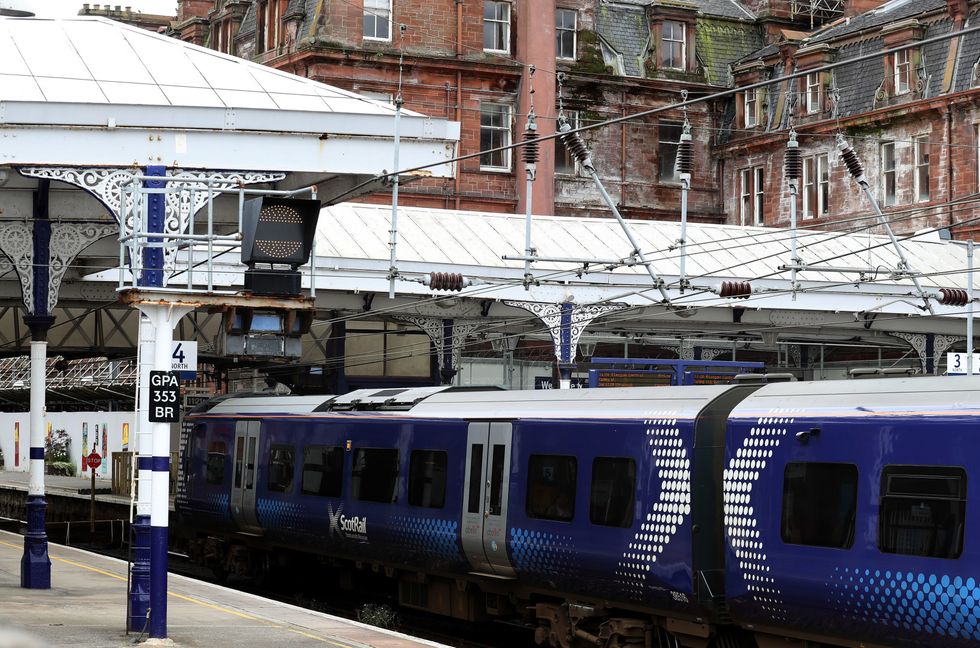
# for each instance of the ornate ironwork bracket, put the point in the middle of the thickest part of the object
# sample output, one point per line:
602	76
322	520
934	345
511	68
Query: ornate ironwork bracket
191	196
566	322
919	343
448	337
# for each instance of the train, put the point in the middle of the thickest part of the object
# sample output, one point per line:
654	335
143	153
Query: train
831	513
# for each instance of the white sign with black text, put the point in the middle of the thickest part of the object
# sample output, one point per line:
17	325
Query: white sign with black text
183	356
956	363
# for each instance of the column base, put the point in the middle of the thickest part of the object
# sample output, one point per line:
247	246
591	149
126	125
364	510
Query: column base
139	582
35	566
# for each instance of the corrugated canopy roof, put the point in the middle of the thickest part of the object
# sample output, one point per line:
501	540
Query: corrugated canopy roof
95	60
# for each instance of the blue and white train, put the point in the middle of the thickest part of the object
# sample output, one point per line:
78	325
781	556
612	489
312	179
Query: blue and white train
796	513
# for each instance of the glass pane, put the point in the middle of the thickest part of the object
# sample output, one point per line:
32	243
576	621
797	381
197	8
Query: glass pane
239	460
427	478
250	464
923	511
551	487
215	471
819	504
281	469
374	475
323	471
613	491
476	479
497	479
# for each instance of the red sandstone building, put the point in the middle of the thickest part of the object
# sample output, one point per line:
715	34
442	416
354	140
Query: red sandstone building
912	117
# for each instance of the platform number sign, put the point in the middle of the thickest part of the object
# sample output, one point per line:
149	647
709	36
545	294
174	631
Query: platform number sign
183	358
164	397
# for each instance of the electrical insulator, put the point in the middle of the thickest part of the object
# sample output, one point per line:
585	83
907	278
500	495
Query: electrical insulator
446	281
530	145
684	162
850	159
573	142
953	297
793	160
735	289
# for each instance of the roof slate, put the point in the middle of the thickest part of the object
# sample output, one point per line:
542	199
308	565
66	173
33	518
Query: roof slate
889	12
857	82
720	42
625	30
969	55
934	57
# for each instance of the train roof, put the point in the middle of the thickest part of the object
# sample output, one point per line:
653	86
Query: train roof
865	397
608	402
263	404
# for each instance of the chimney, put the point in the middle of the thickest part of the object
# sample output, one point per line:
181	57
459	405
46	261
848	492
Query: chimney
855	7
957	10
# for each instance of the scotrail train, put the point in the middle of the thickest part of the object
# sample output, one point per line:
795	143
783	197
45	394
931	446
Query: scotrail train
829	513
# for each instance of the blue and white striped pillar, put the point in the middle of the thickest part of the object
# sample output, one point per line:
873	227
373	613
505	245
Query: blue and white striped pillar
35	566
139	582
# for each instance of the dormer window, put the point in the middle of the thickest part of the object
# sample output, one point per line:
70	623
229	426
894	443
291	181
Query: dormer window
673	38
903	71
813	93
751	108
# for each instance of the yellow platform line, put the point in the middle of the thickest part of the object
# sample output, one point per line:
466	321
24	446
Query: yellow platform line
191	599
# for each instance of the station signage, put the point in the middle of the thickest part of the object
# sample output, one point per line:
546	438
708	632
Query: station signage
956	363
164	397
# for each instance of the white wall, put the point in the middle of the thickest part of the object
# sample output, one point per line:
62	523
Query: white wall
74	423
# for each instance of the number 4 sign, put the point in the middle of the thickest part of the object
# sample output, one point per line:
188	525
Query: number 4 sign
183	358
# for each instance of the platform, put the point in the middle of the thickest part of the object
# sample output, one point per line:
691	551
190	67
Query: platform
65	486
86	607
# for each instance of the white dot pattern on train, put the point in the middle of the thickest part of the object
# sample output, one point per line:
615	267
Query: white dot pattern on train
741	524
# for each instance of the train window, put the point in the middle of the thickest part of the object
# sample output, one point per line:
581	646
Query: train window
323	470
239	460
819	504
281	468
427	478
476	478
613	491
497	479
374	475
551	487
922	511
215	471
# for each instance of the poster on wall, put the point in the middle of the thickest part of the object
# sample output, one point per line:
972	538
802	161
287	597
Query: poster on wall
84	447
17	444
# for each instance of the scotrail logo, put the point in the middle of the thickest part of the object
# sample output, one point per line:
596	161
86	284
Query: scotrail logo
346	527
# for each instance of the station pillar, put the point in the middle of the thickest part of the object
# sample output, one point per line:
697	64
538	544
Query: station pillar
35	566
139	583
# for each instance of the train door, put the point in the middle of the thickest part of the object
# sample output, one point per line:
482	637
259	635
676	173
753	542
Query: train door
243	481
485	494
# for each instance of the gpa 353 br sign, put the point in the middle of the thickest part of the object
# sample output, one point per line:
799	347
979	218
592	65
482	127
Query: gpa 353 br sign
164	397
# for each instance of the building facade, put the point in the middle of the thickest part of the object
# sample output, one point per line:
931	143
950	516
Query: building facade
472	62
911	116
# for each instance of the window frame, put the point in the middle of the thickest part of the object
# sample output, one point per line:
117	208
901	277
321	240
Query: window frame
663	144
211	469
889	174
357	490
750	114
785	514
376	16
413	475
562	29
673	39
759	195
922	471
629	513
503	23
921	163
814	92
902	67
816	185
291	451
507	130
324	472
745	195
532	511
